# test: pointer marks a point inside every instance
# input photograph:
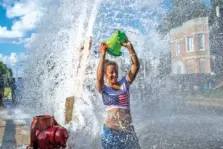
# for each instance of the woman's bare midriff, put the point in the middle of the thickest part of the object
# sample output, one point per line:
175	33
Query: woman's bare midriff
119	119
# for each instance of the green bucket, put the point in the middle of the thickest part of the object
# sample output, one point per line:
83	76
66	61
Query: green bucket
114	43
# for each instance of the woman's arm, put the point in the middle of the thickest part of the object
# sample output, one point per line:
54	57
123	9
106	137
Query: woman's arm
100	70
135	62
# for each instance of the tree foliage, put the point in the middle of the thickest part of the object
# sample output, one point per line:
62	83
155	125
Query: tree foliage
6	74
216	38
3	68
182	10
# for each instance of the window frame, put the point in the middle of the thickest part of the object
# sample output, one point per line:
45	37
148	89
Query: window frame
177	48
203	37
189	48
221	12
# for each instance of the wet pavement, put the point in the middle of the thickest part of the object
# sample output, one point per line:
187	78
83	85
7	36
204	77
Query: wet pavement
180	124
14	127
173	123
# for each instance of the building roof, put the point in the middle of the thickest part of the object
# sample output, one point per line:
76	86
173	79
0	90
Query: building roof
189	23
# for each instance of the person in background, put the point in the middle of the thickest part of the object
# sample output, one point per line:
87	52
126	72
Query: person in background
1	94
13	88
118	131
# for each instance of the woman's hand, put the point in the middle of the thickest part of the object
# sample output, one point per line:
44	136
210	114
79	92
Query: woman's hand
103	48
127	44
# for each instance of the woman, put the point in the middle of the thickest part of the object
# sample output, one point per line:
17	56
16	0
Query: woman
118	131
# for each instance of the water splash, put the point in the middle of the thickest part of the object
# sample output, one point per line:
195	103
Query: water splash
58	69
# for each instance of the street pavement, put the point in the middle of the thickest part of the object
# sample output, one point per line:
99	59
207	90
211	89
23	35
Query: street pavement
166	123
176	123
14	128
208	102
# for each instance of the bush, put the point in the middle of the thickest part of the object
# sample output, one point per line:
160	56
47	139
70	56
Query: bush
218	93
7	92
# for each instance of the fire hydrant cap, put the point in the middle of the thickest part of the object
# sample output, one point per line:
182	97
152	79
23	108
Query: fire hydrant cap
61	136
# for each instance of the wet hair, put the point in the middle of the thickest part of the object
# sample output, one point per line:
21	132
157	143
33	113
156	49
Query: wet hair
108	63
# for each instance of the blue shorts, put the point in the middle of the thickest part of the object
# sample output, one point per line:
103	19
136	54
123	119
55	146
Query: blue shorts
117	139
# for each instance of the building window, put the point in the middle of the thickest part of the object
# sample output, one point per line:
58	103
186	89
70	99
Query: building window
190	66
221	12
189	44
202	65
177	48
201	41
217	11
179	69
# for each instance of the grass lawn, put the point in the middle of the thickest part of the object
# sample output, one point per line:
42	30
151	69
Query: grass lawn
7	92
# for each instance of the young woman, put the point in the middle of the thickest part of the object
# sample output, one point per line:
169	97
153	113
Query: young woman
118	131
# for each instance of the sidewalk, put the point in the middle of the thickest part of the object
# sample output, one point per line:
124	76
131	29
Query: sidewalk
14	131
209	102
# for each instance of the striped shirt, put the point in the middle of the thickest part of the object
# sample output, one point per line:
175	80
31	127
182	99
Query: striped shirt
117	98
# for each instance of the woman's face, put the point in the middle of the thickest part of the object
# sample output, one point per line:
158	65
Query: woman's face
111	74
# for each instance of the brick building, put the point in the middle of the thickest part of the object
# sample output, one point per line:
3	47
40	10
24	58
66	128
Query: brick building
190	52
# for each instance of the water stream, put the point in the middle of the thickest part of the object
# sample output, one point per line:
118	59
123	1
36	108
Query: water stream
58	69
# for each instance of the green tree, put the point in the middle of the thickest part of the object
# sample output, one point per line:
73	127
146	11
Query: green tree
216	38
6	74
182	10
3	68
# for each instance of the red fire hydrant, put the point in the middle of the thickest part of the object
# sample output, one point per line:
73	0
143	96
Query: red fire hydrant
46	133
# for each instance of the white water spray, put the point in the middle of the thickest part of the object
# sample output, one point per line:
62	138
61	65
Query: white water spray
58	68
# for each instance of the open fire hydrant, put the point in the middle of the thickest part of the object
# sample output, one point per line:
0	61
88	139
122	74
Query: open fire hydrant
46	133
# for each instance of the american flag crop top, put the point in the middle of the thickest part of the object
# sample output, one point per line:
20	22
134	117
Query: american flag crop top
117	98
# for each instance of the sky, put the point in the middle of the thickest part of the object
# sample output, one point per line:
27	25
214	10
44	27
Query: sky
18	22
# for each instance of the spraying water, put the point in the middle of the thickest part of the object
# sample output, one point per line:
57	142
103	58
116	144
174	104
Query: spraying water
59	68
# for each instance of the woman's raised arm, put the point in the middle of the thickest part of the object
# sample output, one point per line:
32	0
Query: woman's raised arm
100	70
135	62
